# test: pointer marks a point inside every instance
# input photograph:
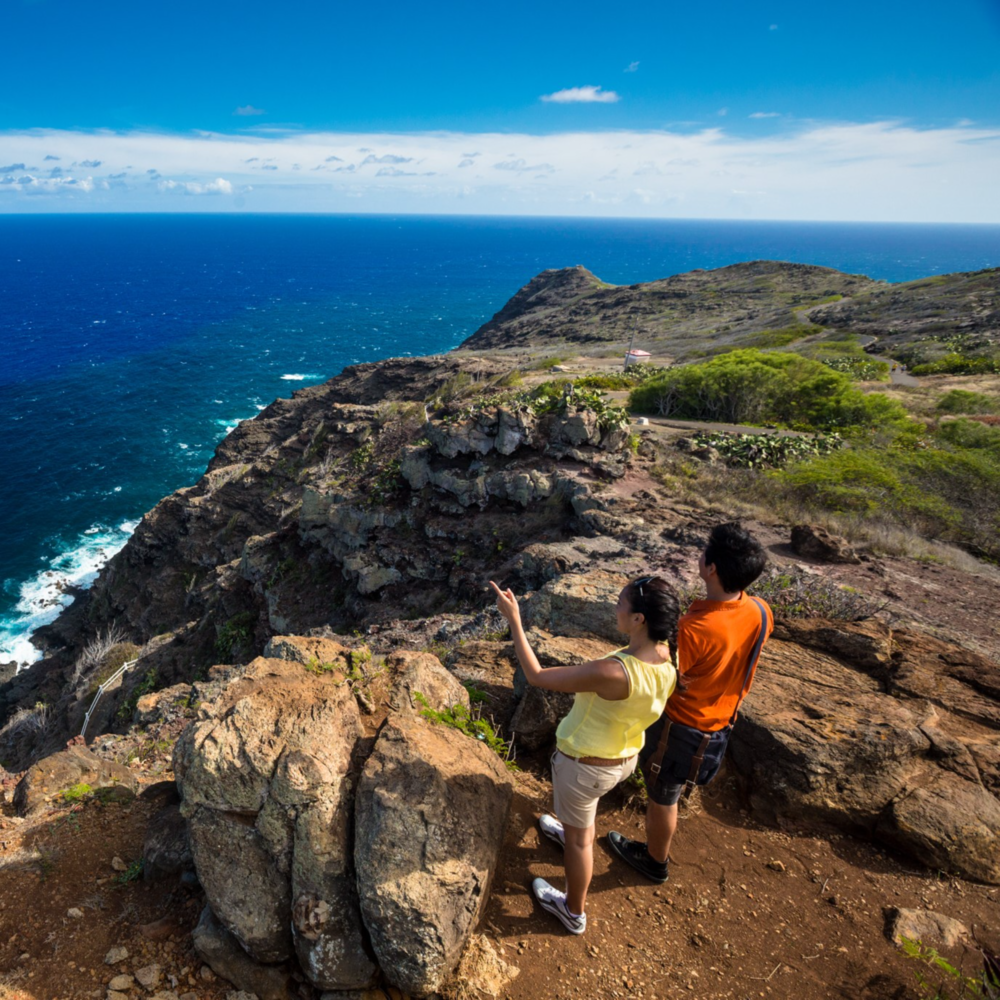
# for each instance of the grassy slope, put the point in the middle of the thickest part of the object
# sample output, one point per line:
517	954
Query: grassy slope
922	321
753	304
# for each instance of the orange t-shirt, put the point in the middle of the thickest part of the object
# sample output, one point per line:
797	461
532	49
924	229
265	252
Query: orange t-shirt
714	643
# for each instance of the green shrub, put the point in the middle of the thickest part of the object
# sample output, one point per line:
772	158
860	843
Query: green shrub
77	793
752	387
544	364
556	396
971	434
133	873
985	985
942	489
361	458
859	369
795	594
964	401
511	380
959	364
385	484
778	338
612	382
235	634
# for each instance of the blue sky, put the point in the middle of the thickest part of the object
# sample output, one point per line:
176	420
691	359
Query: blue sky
728	109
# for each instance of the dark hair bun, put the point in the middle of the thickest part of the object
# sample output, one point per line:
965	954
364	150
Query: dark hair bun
657	601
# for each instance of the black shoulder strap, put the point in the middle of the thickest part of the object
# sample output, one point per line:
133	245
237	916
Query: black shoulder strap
754	655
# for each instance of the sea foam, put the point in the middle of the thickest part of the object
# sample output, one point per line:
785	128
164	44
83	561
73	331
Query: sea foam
44	595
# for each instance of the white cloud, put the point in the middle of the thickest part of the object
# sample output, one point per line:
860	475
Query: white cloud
877	171
765	114
722	112
631	67
219	186
582	95
249	111
386	158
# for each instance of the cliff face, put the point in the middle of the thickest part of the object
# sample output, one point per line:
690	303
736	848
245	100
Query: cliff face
391	493
372	497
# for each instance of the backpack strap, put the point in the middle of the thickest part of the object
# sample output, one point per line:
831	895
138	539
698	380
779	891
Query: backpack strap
754	656
655	762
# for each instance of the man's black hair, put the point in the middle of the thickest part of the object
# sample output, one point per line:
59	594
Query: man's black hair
737	556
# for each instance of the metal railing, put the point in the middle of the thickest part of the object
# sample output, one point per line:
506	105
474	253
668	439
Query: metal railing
101	689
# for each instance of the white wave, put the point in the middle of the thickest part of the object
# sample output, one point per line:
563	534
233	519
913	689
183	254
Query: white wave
42	597
299	378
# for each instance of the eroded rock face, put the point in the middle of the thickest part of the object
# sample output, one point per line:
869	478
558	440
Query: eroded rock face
266	791
423	674
431	811
167	847
895	741
580	605
70	775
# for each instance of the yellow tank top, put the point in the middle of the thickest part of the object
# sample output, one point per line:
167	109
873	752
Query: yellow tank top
596	727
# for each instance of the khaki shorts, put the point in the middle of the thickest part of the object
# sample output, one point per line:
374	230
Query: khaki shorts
576	787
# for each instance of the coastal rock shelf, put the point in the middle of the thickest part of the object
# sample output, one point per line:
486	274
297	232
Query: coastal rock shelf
292	614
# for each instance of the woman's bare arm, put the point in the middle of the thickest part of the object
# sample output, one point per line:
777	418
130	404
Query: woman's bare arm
605	677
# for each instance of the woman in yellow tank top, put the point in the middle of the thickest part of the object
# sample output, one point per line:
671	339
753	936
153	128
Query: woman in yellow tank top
616	699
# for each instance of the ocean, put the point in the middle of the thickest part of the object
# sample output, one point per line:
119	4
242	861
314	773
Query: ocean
130	345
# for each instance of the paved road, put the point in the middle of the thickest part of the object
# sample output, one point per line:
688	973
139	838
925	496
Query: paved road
896	376
702	425
705	425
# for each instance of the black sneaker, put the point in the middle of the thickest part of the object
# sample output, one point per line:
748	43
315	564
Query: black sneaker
635	853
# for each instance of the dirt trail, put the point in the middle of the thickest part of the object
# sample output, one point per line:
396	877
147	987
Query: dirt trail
748	912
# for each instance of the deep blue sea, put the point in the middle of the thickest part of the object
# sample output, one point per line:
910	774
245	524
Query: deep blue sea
130	345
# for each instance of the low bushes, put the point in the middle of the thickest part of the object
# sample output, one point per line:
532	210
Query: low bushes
795	594
766	451
947	487
964	401
959	364
753	387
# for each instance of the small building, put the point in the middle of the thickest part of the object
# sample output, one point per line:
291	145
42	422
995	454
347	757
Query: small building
637	357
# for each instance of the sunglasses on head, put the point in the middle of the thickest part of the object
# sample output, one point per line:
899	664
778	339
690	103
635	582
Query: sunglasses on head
641	582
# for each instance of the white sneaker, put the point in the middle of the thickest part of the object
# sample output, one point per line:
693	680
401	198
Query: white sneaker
552	829
554	901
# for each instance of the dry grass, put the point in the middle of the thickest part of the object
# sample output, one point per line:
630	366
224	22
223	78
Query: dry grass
22	860
9	985
744	494
25	721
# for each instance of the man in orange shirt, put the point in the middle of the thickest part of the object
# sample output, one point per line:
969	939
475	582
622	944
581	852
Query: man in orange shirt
718	642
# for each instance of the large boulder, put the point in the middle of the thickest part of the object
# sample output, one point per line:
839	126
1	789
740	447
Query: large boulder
431	811
579	605
815	542
539	712
950	824
843	730
69	776
420	681
264	776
